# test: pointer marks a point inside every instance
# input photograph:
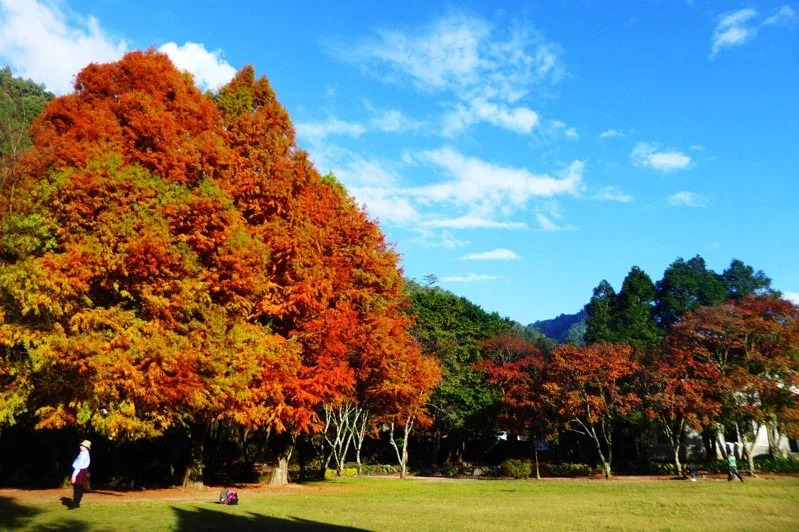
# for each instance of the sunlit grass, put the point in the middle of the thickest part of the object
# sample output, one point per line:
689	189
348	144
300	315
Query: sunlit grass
392	504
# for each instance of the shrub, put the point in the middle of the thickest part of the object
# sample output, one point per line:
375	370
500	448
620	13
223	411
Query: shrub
767	464
565	470
347	472
379	469
516	468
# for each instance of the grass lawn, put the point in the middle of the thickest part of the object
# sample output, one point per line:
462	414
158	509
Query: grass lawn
415	504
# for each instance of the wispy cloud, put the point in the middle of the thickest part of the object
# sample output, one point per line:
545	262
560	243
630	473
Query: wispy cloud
393	121
443	239
480	68
793	297
462	53
546	214
784	15
473	222
739	27
315	131
39	41
494	254
611	193
210	71
650	155
611	133
684	198
519	119
470	278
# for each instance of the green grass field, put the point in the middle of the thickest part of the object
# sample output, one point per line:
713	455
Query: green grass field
393	504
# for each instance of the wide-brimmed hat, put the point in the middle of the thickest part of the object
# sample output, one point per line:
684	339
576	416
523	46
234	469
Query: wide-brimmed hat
87	444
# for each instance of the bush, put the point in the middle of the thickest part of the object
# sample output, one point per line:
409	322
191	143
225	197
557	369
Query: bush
347	472
516	468
379	469
565	470
767	464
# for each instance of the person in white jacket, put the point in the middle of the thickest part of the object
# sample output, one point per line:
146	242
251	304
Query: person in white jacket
79	469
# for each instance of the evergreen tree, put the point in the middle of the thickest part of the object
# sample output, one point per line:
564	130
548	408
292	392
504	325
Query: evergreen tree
741	280
685	286
601	309
633	319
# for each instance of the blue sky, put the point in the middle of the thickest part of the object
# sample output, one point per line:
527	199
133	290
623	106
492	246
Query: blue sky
519	151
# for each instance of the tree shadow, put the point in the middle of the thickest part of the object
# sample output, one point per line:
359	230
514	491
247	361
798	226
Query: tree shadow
208	519
14	516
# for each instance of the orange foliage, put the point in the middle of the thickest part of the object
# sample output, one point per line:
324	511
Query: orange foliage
175	257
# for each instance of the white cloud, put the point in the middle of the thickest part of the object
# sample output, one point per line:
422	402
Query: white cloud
611	133
210	71
611	194
494	254
784	14
386	207
793	297
42	43
470	278
739	27
649	155
517	119
477	182
393	121
444	239
546	224
473	222
571	133
314	131
685	198
462	53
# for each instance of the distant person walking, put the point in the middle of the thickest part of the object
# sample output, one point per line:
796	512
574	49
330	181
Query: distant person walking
733	465
80	468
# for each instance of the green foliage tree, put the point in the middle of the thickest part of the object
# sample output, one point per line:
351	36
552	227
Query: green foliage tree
599	326
20	102
633	319
741	280
450	328
685	286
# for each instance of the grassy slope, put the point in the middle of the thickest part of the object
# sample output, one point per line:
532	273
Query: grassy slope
389	504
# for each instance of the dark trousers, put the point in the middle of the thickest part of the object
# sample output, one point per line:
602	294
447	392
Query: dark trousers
77	495
734	473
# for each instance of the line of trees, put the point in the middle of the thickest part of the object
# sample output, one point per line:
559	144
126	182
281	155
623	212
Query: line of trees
174	272
696	350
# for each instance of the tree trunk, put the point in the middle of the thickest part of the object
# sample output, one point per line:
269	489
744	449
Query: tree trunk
402	456
360	433
537	471
436	449
193	477
709	441
773	433
280	470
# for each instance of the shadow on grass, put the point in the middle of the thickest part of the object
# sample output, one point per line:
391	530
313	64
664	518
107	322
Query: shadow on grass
208	519
15	516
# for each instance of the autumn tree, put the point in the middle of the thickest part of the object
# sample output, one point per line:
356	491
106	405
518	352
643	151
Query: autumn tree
677	391
590	390
748	350
174	259
516	367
